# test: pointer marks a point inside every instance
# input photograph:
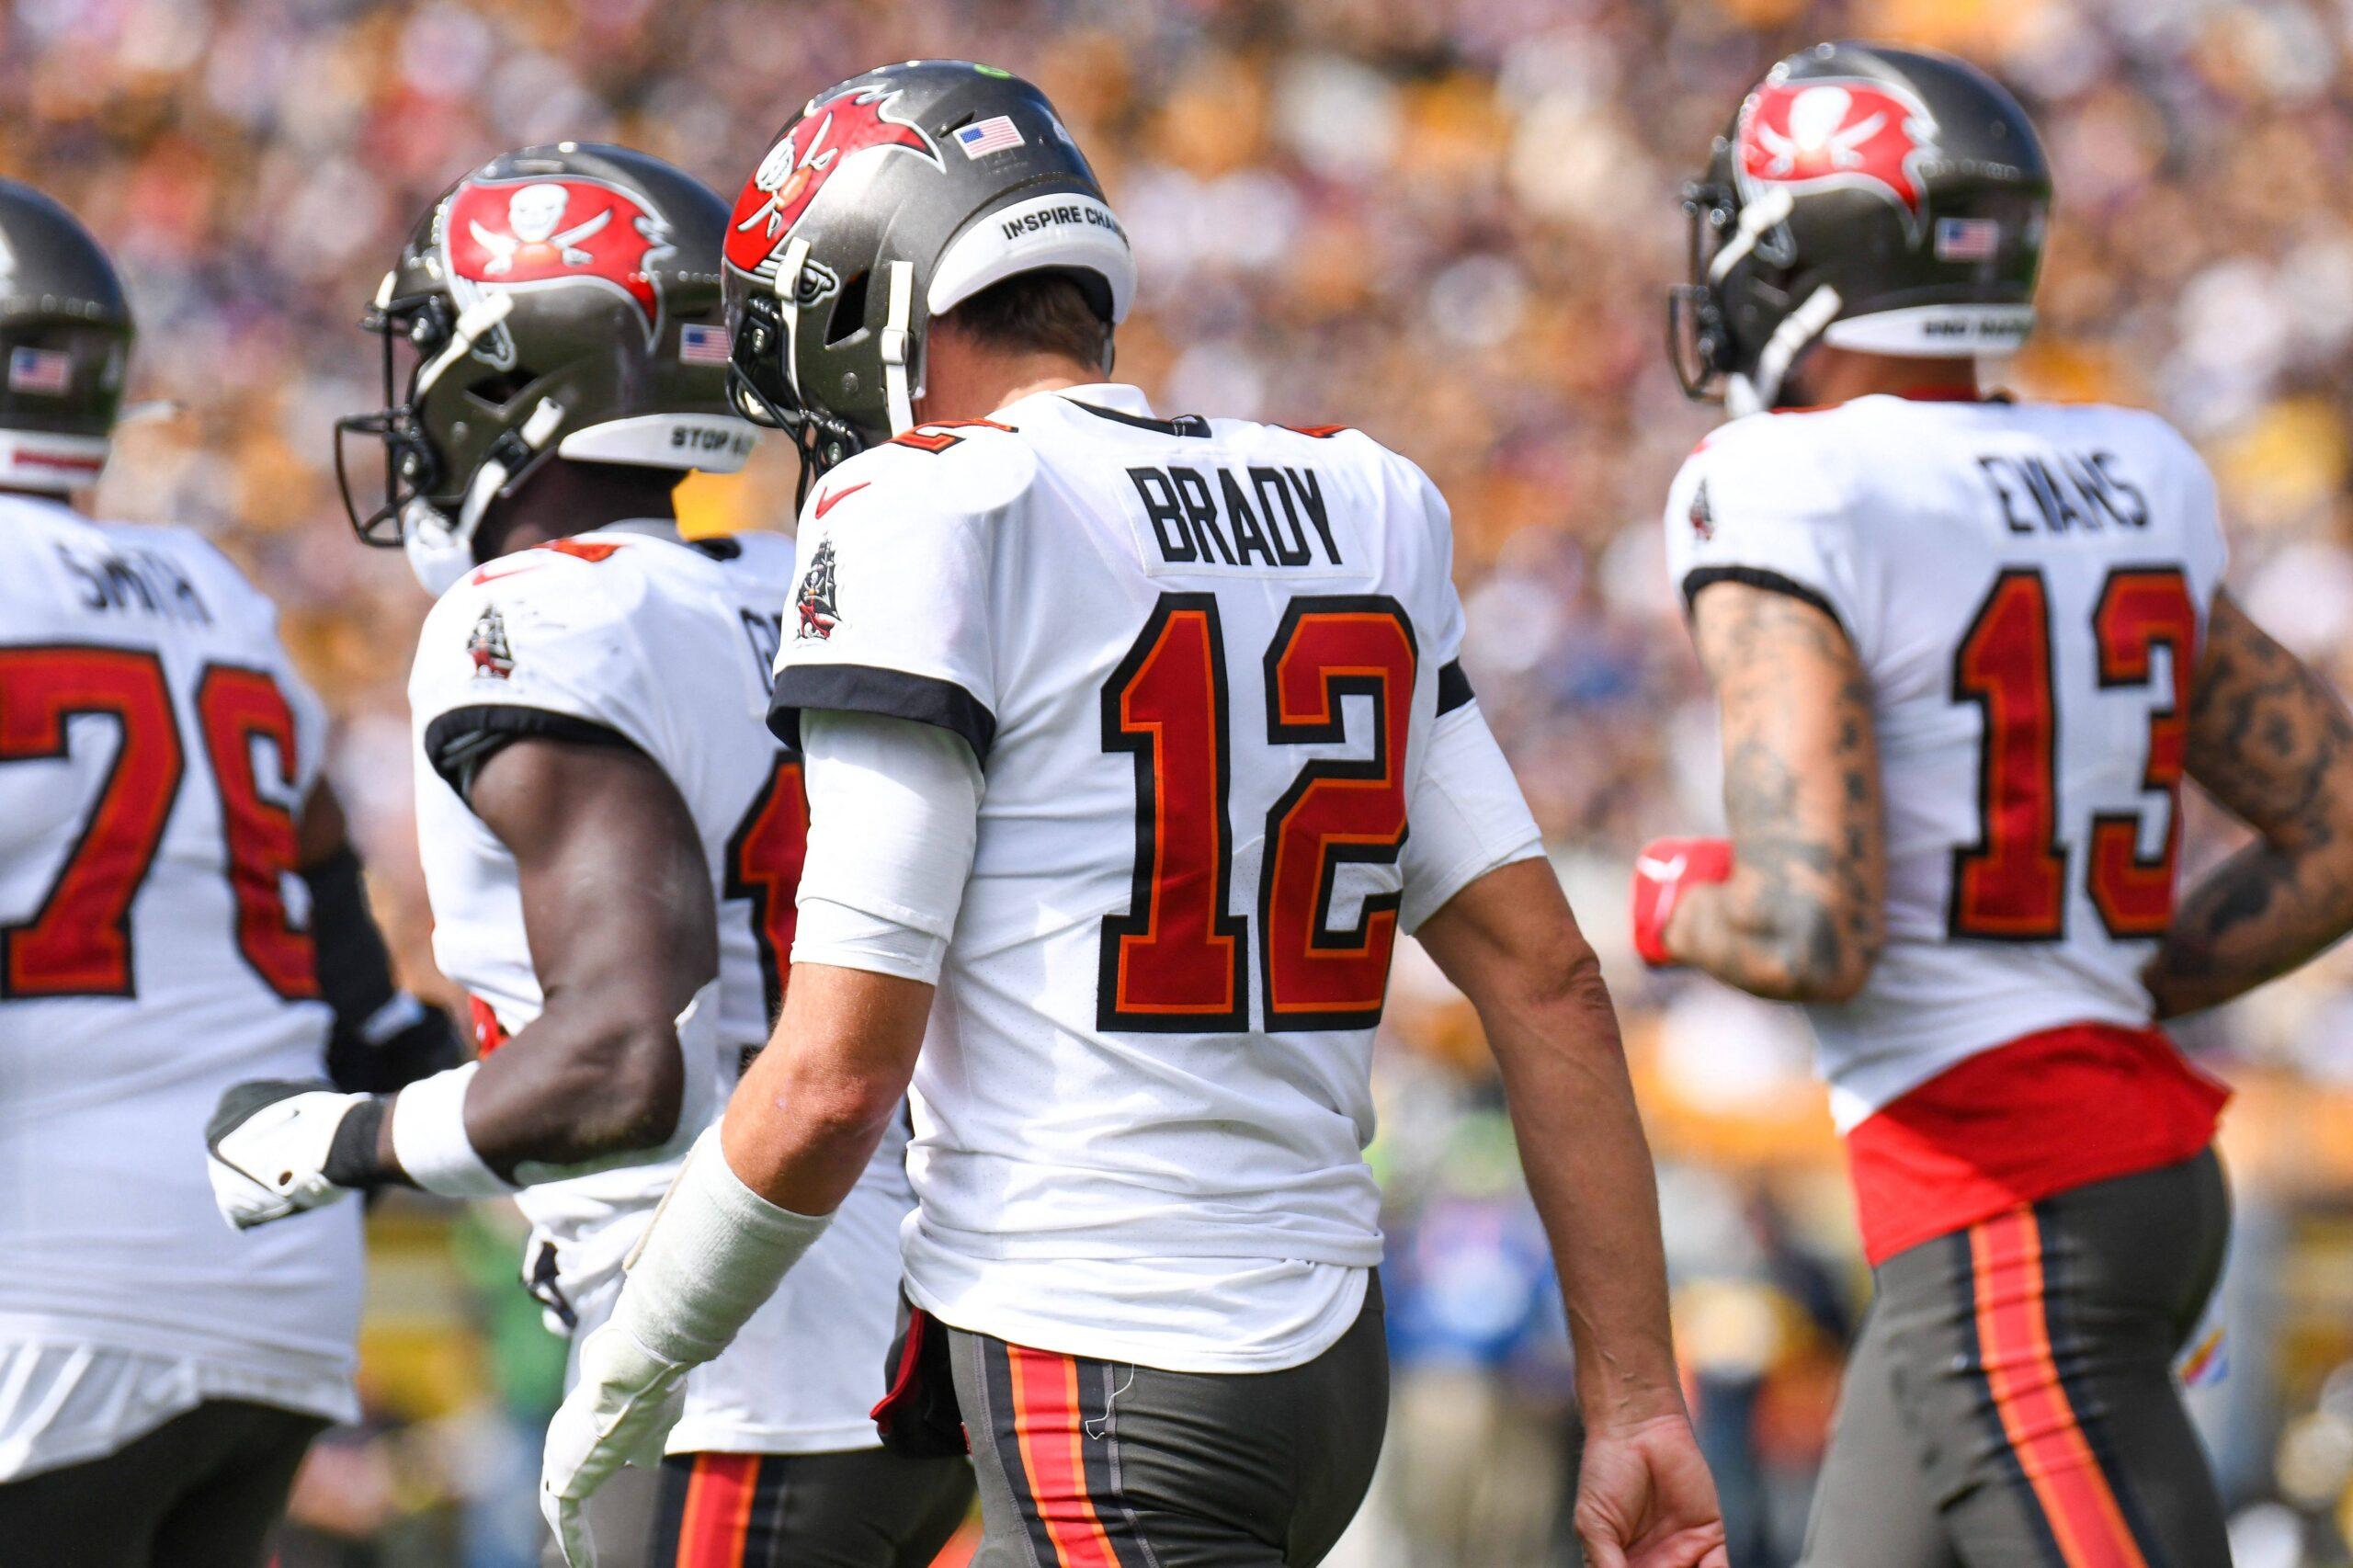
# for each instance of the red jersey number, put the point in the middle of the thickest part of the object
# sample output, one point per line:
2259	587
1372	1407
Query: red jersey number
764	861
78	943
2011	886
236	707
1178	959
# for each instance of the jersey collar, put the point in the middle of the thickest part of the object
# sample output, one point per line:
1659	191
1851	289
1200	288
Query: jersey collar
651	527
1117	396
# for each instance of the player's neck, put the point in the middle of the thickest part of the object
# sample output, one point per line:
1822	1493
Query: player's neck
967	380
1833	376
566	498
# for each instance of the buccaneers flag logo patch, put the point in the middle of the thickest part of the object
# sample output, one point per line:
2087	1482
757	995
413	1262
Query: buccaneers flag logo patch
819	613
829	135
553	232
486	646
1819	133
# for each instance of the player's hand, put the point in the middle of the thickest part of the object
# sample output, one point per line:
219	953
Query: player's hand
1664	873
619	1413
268	1145
1645	1499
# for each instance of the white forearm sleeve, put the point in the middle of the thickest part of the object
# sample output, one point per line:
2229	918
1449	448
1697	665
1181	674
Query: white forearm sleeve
430	1143
893	815
1468	816
714	1252
434	1151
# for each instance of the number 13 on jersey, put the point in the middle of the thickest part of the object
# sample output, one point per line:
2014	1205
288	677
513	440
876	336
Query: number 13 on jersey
1179	961
2011	884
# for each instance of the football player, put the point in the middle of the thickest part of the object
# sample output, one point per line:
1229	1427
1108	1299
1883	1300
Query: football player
160	799
1138	740
610	836
1966	650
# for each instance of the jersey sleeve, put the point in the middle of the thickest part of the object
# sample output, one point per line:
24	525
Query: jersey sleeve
1445	622
540	643
1466	816
890	612
1759	506
894	816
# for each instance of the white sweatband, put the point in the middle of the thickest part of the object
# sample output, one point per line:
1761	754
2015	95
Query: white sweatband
1469	816
430	1143
714	1252
835	934
893	817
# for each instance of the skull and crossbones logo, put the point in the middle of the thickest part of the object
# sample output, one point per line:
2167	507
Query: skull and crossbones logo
533	213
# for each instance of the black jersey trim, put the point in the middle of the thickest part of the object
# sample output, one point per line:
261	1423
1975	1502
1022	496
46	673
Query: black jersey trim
1454	687
458	743
868	688
1772	581
1192	424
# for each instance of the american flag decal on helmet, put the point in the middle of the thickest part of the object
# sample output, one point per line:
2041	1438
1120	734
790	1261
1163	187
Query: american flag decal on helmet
1968	239
702	345
991	135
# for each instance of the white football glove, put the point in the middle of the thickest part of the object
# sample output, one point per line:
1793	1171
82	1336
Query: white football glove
268	1145
619	1413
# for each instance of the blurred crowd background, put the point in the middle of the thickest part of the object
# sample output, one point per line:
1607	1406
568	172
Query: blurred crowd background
1449	222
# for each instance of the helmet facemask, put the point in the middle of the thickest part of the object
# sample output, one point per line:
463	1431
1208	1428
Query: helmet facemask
415	515
1699	341
412	462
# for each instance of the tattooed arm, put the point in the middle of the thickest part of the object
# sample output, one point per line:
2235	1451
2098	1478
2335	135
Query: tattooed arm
1801	917
2272	742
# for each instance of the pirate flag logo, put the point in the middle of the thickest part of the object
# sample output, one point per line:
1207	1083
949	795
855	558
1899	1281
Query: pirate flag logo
819	615
1817	134
551	232
486	646
825	139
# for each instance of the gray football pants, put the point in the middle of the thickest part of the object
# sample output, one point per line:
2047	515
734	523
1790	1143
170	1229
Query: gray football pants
2011	1402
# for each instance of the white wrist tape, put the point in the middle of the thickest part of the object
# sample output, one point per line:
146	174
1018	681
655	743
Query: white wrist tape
429	1138
714	1252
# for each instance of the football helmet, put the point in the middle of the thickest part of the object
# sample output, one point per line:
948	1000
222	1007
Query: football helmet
65	335
1884	200
559	300
893	197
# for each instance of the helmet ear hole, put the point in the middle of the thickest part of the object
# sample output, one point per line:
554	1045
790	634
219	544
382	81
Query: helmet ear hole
498	391
849	312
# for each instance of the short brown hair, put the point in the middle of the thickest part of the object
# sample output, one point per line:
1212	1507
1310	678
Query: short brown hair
1047	312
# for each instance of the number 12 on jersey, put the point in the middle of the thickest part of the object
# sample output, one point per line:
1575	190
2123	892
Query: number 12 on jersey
1179	959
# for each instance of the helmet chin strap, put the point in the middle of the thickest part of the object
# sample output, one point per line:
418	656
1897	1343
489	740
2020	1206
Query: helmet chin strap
786	282
896	343
1758	392
440	549
473	323
1771	207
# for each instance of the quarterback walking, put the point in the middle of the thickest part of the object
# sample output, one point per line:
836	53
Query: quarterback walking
1134	743
1967	650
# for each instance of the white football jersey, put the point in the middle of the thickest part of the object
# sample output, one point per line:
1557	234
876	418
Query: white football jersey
155	750
2026	586
631	632
1204	664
